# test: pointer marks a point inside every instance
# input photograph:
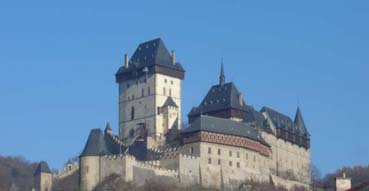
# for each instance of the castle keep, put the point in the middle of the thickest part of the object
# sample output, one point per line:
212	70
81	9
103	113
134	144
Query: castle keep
226	143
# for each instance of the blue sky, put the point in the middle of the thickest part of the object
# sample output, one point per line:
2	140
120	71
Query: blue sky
58	60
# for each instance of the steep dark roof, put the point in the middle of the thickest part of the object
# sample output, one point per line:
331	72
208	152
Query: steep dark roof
280	120
108	128
220	97
224	126
42	168
300	124
170	102
148	54
95	145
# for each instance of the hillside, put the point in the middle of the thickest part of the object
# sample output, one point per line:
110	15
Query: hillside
16	173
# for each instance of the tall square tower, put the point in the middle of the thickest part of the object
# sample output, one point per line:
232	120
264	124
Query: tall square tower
150	91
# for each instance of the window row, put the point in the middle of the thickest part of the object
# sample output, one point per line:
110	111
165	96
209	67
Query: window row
230	163
230	153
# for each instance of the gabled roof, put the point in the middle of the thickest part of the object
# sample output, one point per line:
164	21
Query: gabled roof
170	102
42	168
220	97
224	126
300	124
95	145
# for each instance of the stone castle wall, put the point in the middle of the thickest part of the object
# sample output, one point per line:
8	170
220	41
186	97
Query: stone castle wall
288	160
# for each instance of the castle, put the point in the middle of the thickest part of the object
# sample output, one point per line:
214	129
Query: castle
226	143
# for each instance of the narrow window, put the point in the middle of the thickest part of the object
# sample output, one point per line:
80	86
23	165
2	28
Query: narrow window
230	153
86	169
191	150
148	90
132	113
170	91
219	162
230	163
238	164
209	160
238	154
165	80
143	92
209	150
171	82
247	156
219	152
164	91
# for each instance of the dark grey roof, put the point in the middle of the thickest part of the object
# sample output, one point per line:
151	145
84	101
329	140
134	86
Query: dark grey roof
42	168
300	124
151	53
95	145
220	98
280	120
170	102
224	126
108	128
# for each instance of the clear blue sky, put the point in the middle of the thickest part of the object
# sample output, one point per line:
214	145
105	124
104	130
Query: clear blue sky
58	60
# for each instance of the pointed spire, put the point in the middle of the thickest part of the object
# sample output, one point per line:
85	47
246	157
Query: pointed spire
108	128
299	122
221	77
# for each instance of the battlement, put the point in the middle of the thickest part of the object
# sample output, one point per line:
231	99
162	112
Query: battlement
115	138
68	169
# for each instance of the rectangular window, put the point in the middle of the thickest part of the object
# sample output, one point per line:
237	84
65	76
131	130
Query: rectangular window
219	162
247	156
209	160
209	150
219	152
238	164
142	92
238	154
230	153
148	90
170	91
230	163
164	91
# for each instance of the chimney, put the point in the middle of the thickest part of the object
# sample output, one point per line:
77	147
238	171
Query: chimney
173	57
126	60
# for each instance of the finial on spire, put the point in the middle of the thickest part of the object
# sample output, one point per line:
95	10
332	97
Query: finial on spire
221	77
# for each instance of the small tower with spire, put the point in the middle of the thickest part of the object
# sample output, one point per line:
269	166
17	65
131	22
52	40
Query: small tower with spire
43	177
222	76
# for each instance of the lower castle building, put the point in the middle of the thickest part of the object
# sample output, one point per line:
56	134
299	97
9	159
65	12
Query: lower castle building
227	142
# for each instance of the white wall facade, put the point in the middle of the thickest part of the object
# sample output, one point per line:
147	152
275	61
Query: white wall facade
145	95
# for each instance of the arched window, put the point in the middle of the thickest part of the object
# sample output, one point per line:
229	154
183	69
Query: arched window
132	113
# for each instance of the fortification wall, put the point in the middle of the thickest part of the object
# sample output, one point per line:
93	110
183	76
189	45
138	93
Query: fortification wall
278	181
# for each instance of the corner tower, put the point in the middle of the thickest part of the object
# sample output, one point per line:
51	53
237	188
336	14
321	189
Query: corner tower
147	83
43	178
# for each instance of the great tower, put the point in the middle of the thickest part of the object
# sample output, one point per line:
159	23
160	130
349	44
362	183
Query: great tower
149	92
